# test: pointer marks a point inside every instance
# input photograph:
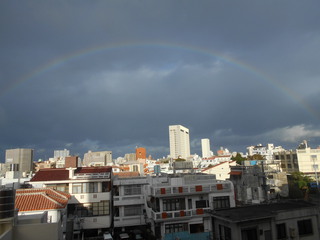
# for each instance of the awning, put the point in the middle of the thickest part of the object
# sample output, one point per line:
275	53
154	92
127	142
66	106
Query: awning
235	173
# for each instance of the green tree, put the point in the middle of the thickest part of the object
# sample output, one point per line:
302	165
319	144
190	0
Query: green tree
256	157
238	158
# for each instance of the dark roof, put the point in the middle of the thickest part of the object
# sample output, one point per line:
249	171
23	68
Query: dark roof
57	174
50	174
254	212
99	169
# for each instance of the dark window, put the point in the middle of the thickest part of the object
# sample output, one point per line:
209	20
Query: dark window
179	227
202	204
174	204
196	228
221	202
305	227
281	231
249	234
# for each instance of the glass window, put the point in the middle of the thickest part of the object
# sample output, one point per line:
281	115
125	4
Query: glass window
179	227
281	231
132	189
77	188
221	202
132	210
174	204
305	227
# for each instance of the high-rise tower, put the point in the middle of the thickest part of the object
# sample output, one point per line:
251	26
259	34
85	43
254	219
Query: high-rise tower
179	141
205	145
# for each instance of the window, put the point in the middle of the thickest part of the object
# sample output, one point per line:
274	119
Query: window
179	227
202	204
132	189
305	227
106	186
174	204
249	234
91	187
281	231
196	228
89	209
63	187
101	208
132	210
221	202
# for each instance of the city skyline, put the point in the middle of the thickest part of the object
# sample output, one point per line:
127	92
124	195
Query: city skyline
108	76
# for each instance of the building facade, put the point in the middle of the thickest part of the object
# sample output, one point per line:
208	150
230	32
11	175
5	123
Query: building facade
21	156
89	210
205	147
179	140
178	206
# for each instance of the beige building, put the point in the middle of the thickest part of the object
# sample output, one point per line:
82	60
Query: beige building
179	140
21	156
102	158
205	147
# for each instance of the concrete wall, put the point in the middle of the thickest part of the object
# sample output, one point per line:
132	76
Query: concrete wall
48	231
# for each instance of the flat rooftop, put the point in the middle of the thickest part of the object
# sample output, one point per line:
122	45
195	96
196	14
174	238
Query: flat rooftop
260	211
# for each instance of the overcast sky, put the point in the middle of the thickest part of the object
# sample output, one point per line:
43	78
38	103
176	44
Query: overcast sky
113	75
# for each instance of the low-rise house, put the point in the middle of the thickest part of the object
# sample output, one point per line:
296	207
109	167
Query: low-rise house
221	170
286	220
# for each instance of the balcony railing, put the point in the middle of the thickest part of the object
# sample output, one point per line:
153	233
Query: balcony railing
179	214
190	189
128	200
129	221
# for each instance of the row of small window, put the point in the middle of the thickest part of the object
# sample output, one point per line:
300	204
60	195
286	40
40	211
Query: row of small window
175	204
89	209
304	228
184	227
90	187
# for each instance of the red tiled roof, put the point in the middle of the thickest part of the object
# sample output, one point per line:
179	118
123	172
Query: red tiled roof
127	174
50	174
40	199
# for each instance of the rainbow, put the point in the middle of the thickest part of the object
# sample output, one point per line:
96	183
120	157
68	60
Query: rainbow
64	59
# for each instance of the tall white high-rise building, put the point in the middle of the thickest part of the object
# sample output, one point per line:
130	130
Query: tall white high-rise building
205	145
179	141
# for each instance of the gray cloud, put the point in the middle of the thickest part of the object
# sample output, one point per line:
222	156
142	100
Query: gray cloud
109	75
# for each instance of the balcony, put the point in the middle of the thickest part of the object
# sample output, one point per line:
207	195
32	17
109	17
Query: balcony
165	191
129	221
128	200
179	214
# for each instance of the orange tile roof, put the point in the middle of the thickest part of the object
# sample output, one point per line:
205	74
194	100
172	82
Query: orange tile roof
40	199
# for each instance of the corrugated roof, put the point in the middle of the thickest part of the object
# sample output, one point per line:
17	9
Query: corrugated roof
36	199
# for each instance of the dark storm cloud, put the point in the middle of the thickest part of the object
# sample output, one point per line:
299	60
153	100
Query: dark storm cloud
112	75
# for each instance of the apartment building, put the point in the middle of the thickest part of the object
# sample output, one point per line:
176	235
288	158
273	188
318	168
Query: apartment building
89	209
23	157
179	140
179	206
129	201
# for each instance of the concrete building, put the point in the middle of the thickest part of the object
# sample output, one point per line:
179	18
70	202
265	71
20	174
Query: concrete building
256	183
205	147
179	206
128	201
284	220
21	156
179	140
102	158
89	209
265	151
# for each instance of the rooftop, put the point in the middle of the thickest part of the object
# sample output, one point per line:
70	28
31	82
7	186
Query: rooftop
36	199
254	212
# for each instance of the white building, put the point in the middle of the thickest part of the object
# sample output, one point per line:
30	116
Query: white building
205	146
128	201
179	206
89	209
179	140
